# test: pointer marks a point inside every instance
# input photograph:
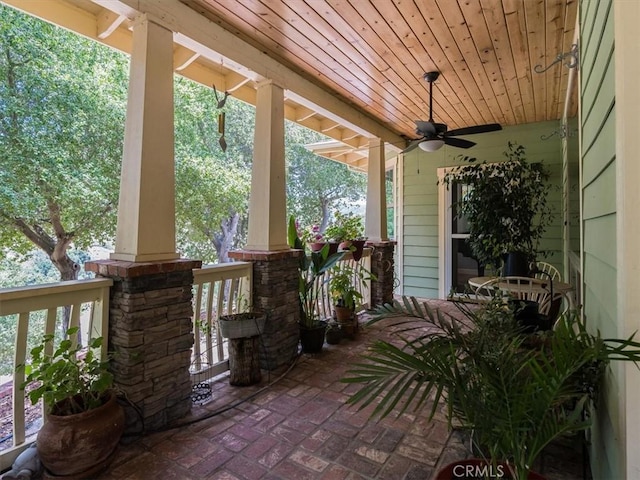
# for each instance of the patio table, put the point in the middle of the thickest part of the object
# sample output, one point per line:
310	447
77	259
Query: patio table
559	288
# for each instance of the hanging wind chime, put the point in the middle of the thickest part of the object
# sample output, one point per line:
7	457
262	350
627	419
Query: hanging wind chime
221	117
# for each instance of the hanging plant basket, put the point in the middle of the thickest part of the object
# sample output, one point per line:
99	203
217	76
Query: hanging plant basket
242	325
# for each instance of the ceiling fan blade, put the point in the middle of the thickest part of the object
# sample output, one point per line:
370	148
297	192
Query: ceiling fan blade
489	127
412	145
425	128
458	142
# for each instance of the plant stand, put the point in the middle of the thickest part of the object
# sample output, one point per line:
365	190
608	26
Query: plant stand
244	361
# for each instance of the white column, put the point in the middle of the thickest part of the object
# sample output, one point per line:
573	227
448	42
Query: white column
376	213
146	209
268	206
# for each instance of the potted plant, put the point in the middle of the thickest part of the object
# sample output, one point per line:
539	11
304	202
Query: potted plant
346	296
333	335
246	323
516	392
506	207
347	229
311	269
83	421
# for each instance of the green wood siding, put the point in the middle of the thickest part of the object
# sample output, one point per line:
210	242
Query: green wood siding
599	213
420	198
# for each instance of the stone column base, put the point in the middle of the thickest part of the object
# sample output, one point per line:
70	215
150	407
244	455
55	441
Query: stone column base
150	337
275	291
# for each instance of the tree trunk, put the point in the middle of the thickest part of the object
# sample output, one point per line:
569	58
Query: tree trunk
324	204
244	361
223	241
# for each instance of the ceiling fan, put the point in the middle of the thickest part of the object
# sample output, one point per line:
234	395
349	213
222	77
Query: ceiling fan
435	135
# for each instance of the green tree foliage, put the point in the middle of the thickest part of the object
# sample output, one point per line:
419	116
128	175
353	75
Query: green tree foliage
316	186
62	102
212	185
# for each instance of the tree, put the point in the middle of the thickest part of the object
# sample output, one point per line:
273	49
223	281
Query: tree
316	185
212	186
62	102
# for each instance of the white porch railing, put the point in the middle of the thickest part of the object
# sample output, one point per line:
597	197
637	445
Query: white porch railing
38	310
218	290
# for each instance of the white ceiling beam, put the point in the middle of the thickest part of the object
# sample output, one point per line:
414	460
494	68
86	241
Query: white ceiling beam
183	57
196	32
234	81
304	113
107	23
327	126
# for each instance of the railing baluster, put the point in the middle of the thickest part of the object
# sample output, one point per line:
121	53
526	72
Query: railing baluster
212	324
222	288
197	323
18	379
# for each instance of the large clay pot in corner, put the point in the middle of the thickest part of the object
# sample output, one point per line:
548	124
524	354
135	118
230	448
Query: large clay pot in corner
81	445
312	339
475	467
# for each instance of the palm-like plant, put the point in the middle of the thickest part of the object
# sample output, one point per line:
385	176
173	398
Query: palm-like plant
516	392
311	268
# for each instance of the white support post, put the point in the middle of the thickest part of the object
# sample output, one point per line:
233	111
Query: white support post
376	212
268	206
146	210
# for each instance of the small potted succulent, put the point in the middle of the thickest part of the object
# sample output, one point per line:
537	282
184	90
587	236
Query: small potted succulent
83	421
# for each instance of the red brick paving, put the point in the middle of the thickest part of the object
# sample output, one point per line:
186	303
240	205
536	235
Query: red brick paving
300	428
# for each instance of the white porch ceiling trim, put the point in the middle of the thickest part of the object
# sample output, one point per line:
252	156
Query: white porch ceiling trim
205	37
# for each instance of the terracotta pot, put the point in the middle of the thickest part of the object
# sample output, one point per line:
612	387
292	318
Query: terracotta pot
359	249
343	314
333	247
346	245
81	445
316	246
473	468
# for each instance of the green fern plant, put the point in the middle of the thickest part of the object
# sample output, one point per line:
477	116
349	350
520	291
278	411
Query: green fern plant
515	391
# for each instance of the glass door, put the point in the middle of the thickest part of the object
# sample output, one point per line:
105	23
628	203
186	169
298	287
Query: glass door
457	263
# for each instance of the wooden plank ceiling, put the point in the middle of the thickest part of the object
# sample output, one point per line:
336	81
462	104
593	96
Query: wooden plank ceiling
374	53
371	55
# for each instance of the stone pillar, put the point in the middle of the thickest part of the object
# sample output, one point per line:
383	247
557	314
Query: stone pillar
275	291
382	266
150	337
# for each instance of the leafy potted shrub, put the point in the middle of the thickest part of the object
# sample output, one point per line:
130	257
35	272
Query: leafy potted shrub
311	269
83	421
516	392
345	294
347	229
506	207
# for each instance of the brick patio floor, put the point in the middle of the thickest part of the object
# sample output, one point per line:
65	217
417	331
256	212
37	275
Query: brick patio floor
300	428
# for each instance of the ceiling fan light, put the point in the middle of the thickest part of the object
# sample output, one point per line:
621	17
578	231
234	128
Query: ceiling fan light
431	145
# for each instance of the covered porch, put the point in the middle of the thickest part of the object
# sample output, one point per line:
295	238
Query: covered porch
296	425
190	38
